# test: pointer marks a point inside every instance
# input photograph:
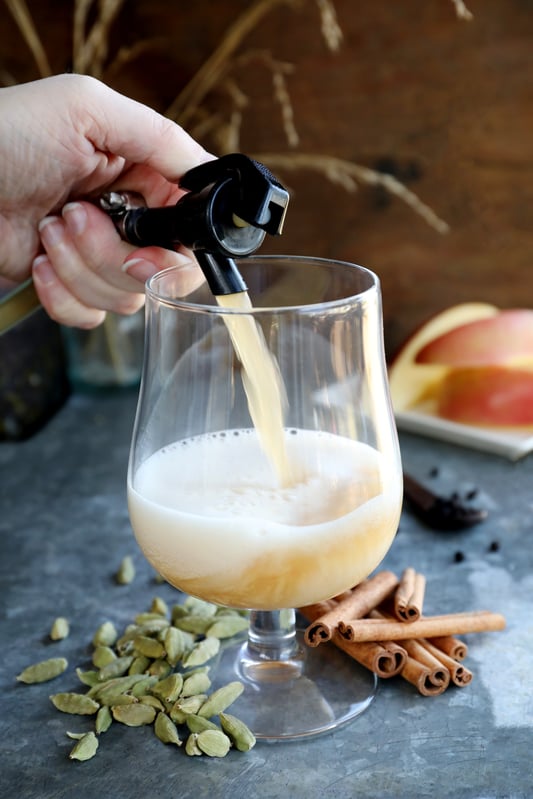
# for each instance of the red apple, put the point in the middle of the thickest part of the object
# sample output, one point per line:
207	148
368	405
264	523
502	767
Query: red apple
487	396
505	338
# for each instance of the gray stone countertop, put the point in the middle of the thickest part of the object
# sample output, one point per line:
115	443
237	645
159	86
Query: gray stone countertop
64	530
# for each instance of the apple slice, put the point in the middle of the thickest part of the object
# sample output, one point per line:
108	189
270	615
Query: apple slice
487	396
411	381
503	339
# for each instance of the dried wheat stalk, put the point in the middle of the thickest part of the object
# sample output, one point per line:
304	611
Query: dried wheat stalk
185	105
81	11
91	50
283	98
278	69
23	18
127	54
462	11
331	30
222	127
348	174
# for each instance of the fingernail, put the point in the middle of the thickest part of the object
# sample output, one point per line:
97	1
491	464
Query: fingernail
42	269
139	269
51	230
75	217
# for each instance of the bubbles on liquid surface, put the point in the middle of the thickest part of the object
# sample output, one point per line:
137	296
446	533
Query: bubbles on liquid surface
226	474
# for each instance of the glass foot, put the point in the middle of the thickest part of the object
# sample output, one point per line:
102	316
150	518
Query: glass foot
314	691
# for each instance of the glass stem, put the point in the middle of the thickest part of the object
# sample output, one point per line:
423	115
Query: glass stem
272	634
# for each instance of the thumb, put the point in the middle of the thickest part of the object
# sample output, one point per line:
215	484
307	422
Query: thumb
129	129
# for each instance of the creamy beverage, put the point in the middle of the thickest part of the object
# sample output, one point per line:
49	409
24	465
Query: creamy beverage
212	518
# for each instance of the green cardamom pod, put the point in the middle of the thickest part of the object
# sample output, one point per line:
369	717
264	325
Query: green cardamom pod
79	704
85	748
220	699
116	668
126	571
105	635
160	668
89	678
183	707
199	724
150	623
102	655
43	671
197	683
199	607
144	685
169	688
60	629
124	646
114	700
152	701
227	626
159	606
117	685
166	730
134	715
148	646
213	743
104	719
191	747
193	624
177	611
240	734
175	643
139	665
202	652
146	617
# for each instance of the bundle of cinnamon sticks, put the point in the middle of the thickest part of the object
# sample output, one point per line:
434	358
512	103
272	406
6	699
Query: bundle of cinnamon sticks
380	624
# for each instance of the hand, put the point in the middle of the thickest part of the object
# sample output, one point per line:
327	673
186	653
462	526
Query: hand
63	139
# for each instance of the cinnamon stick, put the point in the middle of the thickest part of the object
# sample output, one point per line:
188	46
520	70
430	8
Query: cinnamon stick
459	674
423	669
427	626
362	599
318	609
428	681
409	595
386	659
451	646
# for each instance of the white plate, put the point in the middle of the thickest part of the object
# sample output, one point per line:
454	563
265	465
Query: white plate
511	444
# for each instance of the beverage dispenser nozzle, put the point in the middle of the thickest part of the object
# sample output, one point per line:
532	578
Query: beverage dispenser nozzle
230	204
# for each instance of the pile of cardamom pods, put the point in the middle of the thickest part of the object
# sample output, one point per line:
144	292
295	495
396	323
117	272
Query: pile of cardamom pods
155	673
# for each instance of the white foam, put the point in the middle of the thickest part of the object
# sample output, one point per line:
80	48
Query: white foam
212	506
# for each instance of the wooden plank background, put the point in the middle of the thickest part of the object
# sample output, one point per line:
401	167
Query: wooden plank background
444	105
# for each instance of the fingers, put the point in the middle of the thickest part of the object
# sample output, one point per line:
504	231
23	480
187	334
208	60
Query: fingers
58	301
147	261
87	253
85	279
88	269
